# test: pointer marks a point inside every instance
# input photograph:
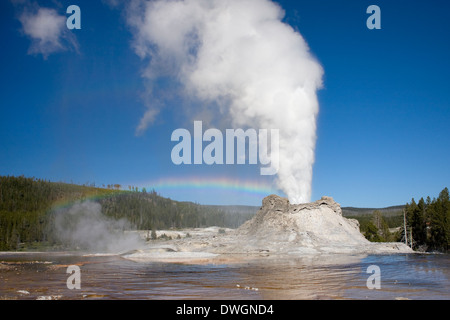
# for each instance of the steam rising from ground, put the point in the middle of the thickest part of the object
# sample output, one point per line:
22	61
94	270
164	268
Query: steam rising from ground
240	60
84	226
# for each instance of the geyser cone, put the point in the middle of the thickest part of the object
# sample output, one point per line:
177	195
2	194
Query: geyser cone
282	227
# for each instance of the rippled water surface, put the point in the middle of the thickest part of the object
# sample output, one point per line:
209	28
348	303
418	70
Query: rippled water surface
44	276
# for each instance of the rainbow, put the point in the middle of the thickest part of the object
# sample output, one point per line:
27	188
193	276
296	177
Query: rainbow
222	185
255	188
99	194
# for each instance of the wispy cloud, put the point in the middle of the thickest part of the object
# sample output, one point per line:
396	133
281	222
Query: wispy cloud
147	119
46	28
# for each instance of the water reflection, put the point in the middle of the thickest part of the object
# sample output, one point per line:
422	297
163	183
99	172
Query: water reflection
33	276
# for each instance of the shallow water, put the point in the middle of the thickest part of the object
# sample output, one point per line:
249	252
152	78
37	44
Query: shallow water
44	276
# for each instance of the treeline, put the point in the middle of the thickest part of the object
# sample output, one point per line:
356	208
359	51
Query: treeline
376	227
428	223
27	209
147	211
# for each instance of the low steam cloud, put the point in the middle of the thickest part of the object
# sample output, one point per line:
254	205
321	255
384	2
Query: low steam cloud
84	226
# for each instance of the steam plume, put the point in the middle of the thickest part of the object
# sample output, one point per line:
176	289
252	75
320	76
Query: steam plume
240	58
84	226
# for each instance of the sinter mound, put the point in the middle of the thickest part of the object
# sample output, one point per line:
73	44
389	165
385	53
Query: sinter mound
279	228
307	228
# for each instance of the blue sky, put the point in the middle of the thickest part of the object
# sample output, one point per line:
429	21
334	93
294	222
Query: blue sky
382	131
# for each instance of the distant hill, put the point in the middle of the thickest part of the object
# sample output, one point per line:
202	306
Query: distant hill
388	211
231	209
238	213
346	211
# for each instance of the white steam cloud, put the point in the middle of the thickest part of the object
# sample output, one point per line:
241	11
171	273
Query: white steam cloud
239	57
84	226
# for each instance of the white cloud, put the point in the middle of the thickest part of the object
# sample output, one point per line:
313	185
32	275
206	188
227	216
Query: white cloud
47	31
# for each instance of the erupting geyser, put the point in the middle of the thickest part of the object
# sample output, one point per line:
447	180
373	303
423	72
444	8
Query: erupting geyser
241	63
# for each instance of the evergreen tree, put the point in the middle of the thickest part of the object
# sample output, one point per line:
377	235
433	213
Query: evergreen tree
371	233
429	221
439	214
